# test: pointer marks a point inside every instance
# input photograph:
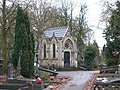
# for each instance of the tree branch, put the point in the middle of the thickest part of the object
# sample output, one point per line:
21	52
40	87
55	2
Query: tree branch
1	4
11	22
10	14
13	4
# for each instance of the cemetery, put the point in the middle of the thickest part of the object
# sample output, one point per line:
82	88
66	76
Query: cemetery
42	39
14	82
108	79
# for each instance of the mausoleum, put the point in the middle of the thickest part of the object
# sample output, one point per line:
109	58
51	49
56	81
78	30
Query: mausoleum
58	48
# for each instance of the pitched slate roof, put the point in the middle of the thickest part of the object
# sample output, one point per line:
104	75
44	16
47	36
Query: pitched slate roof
57	31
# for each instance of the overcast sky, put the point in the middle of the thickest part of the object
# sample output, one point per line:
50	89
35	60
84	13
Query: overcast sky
94	17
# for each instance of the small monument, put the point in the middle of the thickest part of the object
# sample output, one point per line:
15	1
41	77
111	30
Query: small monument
11	71
36	65
19	66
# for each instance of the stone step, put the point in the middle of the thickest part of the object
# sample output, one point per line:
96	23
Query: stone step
11	86
16	81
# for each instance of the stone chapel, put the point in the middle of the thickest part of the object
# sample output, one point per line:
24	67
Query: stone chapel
58	48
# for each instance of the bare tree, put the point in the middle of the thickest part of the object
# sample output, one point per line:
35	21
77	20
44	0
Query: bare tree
81	30
6	23
44	15
38	11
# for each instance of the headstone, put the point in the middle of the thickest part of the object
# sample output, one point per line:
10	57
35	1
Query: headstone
36	65
0	68
11	71
119	69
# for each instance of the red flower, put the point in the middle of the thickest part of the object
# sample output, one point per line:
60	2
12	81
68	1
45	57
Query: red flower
51	77
39	81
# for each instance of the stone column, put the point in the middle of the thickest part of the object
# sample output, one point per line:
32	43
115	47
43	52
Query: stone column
19	64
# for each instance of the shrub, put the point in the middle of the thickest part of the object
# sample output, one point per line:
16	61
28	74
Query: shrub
44	76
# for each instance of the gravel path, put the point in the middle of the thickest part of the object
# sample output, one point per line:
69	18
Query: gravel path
79	78
78	81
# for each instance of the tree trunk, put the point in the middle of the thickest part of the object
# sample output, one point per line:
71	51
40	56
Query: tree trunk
4	39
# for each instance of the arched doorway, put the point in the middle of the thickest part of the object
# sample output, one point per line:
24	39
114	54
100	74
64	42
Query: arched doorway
66	59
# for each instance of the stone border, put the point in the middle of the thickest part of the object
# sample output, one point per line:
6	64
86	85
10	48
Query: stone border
62	83
89	85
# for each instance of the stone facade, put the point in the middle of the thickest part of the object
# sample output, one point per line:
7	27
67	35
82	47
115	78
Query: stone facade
58	48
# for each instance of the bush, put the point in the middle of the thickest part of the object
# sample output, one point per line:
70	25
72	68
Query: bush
44	76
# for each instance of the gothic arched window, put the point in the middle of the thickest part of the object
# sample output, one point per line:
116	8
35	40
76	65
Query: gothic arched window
53	50
44	50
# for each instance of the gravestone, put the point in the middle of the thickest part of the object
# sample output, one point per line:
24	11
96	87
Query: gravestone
11	71
1	66
19	64
1	69
119	69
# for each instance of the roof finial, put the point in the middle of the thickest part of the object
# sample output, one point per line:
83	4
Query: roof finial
53	34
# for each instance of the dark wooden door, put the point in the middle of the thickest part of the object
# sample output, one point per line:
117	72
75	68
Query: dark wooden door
66	59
